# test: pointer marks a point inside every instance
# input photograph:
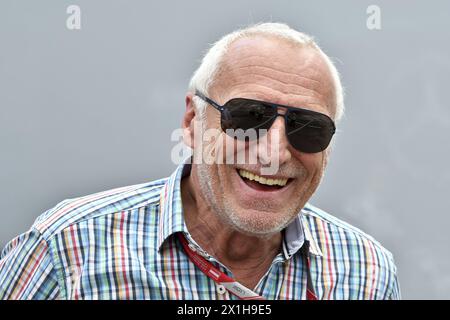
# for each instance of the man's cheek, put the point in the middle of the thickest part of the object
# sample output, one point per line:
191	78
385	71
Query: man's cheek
213	147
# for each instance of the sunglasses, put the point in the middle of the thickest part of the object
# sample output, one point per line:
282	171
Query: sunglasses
307	131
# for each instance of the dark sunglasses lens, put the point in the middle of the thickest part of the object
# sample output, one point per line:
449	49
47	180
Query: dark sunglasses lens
247	114
309	131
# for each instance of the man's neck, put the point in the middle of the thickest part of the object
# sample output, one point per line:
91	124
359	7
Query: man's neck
248	257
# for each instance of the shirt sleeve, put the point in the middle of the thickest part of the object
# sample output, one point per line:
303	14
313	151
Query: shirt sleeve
26	269
395	289
394	286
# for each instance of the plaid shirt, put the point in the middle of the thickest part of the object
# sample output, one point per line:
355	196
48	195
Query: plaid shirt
121	244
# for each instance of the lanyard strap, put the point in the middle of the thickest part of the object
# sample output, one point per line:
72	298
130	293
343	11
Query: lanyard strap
232	285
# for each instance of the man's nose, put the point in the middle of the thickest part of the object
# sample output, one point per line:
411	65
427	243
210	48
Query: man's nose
276	141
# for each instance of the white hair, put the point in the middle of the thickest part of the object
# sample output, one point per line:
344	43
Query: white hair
205	74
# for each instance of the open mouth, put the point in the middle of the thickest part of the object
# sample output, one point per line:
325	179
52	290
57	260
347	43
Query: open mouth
262	183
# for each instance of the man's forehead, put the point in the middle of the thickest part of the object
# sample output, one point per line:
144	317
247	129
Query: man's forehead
271	50
275	70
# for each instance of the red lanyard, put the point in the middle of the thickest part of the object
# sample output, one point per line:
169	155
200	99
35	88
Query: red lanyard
232	285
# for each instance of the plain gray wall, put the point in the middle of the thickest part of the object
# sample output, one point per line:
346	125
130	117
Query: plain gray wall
93	109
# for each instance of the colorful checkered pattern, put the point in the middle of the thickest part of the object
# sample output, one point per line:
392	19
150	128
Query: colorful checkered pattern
121	244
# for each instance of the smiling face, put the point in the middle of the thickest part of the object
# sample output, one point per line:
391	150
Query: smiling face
272	70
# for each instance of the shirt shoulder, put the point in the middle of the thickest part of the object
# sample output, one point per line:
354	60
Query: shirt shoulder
76	210
328	228
358	266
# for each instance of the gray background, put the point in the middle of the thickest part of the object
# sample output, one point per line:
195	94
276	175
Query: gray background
89	110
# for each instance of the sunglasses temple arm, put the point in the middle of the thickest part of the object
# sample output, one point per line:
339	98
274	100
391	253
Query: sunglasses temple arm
206	99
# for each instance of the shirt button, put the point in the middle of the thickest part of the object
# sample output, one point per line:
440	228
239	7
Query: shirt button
221	289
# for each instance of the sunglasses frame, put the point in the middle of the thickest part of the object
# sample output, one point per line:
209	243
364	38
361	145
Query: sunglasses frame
275	106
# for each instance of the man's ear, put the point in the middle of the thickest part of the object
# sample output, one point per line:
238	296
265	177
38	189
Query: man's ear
188	121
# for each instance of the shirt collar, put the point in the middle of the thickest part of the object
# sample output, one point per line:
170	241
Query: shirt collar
309	236
172	217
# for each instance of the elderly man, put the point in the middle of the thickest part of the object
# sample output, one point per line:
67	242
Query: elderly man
222	229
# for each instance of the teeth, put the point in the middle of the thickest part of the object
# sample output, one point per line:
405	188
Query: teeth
262	180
